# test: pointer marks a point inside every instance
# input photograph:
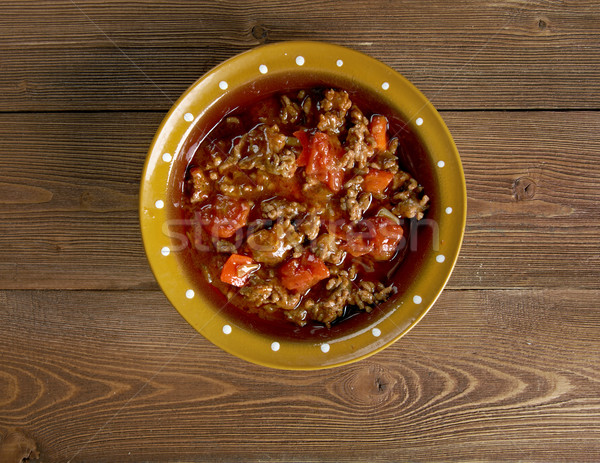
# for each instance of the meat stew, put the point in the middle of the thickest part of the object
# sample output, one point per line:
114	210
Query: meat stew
298	208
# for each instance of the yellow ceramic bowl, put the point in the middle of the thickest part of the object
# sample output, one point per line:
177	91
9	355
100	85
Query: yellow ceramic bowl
433	160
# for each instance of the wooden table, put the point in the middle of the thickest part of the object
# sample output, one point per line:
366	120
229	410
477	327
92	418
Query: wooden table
97	366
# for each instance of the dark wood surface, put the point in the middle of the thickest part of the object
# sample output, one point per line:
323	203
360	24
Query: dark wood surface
96	365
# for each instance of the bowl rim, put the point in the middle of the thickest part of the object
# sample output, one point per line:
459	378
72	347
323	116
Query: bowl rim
307	56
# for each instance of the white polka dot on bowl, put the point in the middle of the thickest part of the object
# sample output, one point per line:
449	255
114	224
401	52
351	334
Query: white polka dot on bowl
263	69
275	346
339	63
167	157
188	117
419	121
324	348
226	329
385	85
223	85
441	163
448	210
159	204
376	332
440	258
165	251
417	299
190	293
300	60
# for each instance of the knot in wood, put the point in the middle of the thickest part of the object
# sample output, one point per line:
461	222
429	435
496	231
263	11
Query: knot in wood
17	446
371	386
259	32
523	189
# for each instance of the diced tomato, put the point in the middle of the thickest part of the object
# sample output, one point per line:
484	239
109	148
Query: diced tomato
376	181
225	215
301	273
357	237
359	244
388	236
378	129
237	270
378	236
323	162
302	136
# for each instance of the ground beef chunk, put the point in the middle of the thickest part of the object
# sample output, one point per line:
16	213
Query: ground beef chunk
269	294
355	201
310	226
273	246
281	208
409	197
343	291
289	112
387	160
201	186
360	145
330	308
368	294
262	148
327	247
236	184
334	108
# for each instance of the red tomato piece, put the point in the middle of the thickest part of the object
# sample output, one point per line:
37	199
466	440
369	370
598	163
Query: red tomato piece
302	136
357	237
378	236
359	244
376	181
388	236
378	129
323	162
301	273
237	270
225	215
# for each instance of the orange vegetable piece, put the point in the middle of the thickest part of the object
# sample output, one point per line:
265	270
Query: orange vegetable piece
237	270
376	181
302	273
378	129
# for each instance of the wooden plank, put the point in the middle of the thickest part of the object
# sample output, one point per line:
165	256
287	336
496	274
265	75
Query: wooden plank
69	182
87	55
69	192
120	376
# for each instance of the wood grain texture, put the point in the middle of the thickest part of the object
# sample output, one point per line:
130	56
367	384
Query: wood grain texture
82	55
120	376
69	187
97	366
